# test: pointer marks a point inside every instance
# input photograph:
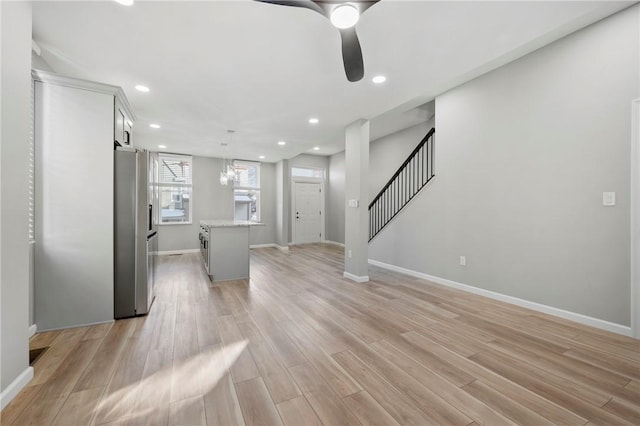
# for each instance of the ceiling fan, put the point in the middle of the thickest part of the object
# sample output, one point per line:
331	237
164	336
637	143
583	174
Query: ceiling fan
343	15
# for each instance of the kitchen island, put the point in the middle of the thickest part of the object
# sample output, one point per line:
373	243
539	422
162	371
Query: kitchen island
224	245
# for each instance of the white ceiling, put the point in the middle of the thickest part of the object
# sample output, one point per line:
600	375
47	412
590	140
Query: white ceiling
264	70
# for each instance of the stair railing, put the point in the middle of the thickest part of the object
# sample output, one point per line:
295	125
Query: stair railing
416	171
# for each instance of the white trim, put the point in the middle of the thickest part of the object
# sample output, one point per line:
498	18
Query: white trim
15	387
53	78
169	252
33	328
335	243
79	325
635	221
572	316
356	278
298	179
262	245
281	248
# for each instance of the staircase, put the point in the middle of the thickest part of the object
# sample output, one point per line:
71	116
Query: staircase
407	181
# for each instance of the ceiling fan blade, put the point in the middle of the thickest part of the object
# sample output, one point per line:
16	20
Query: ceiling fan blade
352	54
305	4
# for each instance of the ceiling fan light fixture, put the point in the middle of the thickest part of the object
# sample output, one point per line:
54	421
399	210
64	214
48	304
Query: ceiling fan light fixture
344	16
379	79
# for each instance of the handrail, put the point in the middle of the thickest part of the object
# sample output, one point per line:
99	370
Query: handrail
413	175
395	175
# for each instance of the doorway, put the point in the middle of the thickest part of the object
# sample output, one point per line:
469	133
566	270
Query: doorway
308	206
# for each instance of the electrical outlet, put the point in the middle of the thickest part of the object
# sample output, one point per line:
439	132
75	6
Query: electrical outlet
350	254
463	260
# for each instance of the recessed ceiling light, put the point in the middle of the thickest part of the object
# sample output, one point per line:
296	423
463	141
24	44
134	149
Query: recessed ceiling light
316	148
314	120
282	143
261	157
162	146
125	2
141	88
379	79
154	126
344	16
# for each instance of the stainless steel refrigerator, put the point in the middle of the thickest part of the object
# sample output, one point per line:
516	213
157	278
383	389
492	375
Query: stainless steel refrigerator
136	237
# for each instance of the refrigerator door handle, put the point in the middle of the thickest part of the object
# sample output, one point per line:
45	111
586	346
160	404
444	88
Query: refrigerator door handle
150	223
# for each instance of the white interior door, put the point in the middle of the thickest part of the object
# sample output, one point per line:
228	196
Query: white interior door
307	207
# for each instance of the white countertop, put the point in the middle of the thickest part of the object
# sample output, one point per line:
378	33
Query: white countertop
222	223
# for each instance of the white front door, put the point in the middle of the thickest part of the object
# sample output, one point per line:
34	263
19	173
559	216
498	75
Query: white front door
307	215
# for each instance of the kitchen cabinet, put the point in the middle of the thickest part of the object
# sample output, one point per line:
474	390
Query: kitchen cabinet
225	248
123	125
74	200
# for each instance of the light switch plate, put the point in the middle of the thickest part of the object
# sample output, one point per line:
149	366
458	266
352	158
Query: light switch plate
353	203
608	199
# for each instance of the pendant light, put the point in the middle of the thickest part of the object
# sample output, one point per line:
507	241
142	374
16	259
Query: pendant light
228	173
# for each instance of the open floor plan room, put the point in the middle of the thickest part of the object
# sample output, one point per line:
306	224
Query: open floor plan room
299	344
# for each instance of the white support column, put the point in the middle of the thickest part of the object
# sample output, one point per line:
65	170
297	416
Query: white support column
356	235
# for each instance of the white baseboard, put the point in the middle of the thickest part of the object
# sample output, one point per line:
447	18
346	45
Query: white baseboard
572	316
262	245
169	252
283	248
79	325
32	329
356	278
15	387
335	243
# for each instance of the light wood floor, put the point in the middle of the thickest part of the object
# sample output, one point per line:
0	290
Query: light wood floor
300	345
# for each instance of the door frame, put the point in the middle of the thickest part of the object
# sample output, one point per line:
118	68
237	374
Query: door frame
298	179
635	219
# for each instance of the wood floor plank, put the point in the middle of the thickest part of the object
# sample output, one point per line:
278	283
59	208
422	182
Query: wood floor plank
52	359
521	395
98	331
339	380
541	386
187	412
102	365
79	408
43	339
23	400
297	411
281	386
449	402
288	352
52	395
244	368
256	403
625	409
505	405
398	405
367	410
221	404
327	404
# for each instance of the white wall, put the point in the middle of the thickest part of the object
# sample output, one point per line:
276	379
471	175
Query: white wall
15	81
523	155
336	198
214	201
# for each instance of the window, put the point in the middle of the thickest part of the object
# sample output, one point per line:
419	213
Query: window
246	191
175	188
307	172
